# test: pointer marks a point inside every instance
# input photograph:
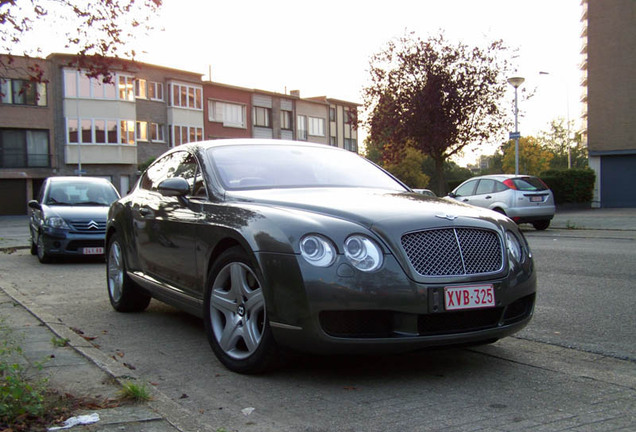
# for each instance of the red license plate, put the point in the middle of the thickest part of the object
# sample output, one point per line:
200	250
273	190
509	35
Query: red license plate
93	251
469	297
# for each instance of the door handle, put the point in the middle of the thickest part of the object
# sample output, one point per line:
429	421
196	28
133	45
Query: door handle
488	197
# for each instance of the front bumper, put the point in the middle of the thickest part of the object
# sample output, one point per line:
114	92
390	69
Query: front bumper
65	242
339	310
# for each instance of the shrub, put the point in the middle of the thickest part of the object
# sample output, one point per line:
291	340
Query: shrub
571	186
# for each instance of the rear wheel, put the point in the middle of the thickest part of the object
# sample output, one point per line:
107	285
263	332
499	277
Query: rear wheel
124	294
541	225
235	315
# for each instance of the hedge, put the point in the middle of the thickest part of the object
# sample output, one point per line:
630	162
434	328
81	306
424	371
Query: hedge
571	186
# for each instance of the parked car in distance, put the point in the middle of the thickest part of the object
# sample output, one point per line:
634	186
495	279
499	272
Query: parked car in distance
426	192
523	198
283	244
69	217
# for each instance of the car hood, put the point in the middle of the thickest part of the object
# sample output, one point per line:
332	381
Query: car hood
377	210
79	212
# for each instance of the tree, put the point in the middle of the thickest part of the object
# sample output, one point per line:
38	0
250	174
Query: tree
409	168
99	32
436	96
533	158
568	153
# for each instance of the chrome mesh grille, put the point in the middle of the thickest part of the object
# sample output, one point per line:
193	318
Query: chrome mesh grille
453	251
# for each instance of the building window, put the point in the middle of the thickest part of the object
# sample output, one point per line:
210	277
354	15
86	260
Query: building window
186	134
301	122
351	145
316	126
332	114
230	114
22	92
155	91
286	120
142	131
99	131
140	88
186	96
126	88
127	132
24	148
156	132
333	141
77	84
261	116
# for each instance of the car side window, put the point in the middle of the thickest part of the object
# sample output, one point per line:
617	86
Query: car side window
466	189
485	186
500	187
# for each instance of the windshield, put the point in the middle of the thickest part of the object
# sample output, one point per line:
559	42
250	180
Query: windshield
287	166
80	193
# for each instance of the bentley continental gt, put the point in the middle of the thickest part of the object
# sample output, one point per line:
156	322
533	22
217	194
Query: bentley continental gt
282	245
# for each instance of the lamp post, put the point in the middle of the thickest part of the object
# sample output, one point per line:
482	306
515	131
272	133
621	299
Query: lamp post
516	82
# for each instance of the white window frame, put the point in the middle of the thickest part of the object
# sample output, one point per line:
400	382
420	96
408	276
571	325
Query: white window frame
186	96
141	88
229	113
157	91
142	131
316	126
157	133
301	128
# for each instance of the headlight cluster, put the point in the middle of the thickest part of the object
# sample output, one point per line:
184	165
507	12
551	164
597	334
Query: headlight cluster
362	252
56	222
517	247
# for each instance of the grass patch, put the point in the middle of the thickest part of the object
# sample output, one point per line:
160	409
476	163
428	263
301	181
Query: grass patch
27	404
132	391
59	342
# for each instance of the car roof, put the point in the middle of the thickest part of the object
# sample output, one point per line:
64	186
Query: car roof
59	179
203	145
500	176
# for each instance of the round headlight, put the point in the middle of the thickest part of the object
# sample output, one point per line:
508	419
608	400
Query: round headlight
317	250
363	253
514	247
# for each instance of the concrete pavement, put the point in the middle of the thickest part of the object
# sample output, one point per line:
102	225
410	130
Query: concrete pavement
80	368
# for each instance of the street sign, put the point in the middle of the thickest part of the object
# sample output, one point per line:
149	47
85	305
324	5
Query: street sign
515	135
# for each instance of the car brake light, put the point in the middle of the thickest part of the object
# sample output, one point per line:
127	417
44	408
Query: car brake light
510	184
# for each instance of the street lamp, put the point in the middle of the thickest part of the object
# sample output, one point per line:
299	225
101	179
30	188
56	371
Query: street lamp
516	82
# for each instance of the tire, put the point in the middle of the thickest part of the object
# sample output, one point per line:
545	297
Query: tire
34	247
235	315
541	225
40	250
124	294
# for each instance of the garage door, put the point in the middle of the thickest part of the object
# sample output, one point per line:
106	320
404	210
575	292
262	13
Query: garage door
13	197
618	175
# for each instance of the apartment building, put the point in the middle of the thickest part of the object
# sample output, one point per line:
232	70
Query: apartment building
609	47
75	124
26	133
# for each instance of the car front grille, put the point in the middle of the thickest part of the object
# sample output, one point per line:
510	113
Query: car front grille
89	226
454	251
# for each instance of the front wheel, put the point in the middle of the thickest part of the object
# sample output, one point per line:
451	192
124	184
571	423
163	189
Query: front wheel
124	294
235	315
40	249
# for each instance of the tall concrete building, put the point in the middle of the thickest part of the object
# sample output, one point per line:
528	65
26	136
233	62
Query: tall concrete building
609	69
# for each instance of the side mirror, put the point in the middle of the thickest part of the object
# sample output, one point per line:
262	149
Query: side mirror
452	195
176	186
33	204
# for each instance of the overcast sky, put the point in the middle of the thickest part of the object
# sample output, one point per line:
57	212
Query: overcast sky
323	48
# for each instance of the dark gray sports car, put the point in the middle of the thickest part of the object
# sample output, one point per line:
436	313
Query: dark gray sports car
279	244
